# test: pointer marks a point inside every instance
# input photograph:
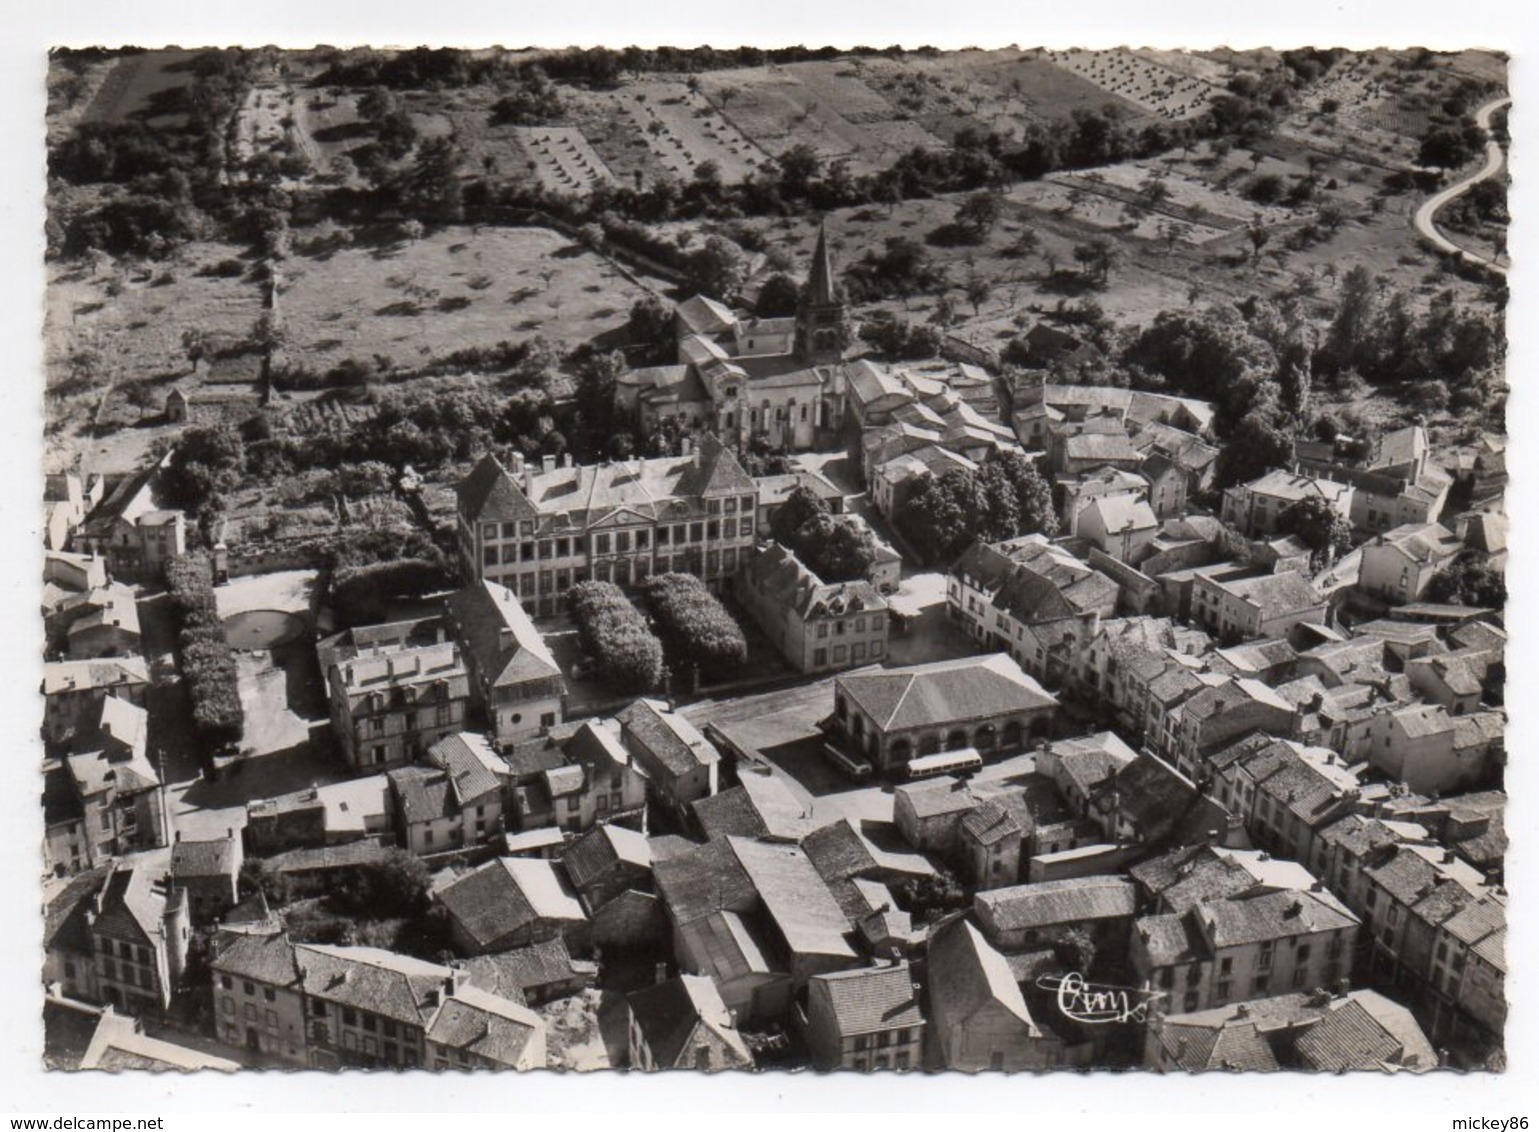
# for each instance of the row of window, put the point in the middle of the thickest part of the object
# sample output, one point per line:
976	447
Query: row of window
857	651
505	532
618	542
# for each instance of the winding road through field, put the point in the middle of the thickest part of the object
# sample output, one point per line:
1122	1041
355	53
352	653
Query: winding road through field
1427	213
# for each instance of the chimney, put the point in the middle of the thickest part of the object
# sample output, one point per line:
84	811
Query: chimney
1242	1010
529	473
178	836
566	460
548	464
1294	910
505	638
685	444
660	972
518	463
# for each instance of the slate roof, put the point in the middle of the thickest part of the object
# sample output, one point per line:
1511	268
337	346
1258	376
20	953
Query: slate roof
212	858
1270	916
1421	542
502	896
1346	1037
668	736
473	767
1120	513
267	959
668	1014
1275	595
775	571
603	847
944	692
65	926
424	793
1025	907
990	823
1235	1045
872	999
700	881
966	974
490	495
504	643
486	1025
795	897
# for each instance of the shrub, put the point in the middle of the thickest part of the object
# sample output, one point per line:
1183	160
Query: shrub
362	594
208	663
697	628
613	632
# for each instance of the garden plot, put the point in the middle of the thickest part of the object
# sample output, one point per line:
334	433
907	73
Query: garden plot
683	130
562	159
330	126
1187	199
133	84
1156	88
774	108
268	116
1098	206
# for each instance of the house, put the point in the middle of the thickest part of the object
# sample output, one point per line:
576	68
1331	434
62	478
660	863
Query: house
1031	598
929	813
1399	565
1457	681
1429	750
324	815
868	1018
65	573
816	626
1182	878
510	902
762	806
1197	460
64	506
1168	485
576	777
1124	654
436	811
978	1016
992	837
1079	452
73	691
1077	766
115	786
682	1023
389	706
82	1037
101	622
513	676
1150	803
1216	714
893	480
891	715
1256	507
1259	606
1284	792
538	530
132	531
1098	483
1392	477
1119	526
118	936
680	765
364	1007
533	975
1027	916
606	861
210	872
1234	949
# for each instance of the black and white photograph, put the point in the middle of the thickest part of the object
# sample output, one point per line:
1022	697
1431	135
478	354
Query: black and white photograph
986	561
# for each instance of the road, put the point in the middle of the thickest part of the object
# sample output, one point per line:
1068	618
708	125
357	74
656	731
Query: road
1427	213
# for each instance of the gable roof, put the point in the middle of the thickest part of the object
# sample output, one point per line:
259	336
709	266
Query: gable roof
602	847
795	897
1025	907
499	635
502	896
216	857
967	974
669	1013
871	999
669	737
474	769
486	1025
489	494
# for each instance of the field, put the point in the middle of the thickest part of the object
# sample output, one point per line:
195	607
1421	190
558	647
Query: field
1146	82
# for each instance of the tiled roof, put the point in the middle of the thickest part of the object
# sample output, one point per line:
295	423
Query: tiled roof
966	974
702	880
1421	542
1275	595
935	796
871	999
489	494
473	767
944	692
669	1013
990	823
424	794
65	926
1274	915
1236	1045
602	847
1050	903
796	898
1347	1037
267	959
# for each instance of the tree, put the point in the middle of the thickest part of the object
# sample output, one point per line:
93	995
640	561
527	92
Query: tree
714	269
1255	446
432	186
696	627
1469	580
778	297
978	214
942	512
977	289
1097	258
801	507
1033	493
1259	237
1318	525
798	166
650	330
614	634
195	345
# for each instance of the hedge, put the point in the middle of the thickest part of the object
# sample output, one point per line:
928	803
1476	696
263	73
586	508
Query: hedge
361	595
207	661
615	634
696	627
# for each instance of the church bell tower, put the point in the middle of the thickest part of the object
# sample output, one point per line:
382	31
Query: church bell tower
822	324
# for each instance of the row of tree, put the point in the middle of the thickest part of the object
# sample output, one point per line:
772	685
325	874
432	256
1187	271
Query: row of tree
207	661
697	631
613	633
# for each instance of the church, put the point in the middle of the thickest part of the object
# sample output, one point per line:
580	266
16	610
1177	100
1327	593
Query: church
738	376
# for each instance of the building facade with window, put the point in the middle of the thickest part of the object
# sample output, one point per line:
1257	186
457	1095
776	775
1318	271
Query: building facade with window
818	626
539	530
388	707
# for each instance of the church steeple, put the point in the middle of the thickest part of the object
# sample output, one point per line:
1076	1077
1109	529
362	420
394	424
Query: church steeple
822	326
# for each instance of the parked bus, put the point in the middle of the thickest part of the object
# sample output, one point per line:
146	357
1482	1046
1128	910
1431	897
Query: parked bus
853	765
964	760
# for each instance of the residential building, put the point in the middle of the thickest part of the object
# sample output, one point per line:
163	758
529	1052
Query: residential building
1431	751
118	936
1033	599
682	1023
1215	714
210	872
438	810
775	490
361	1007
129	528
1284	792
113	1042
575	778
116	789
817	626
1457	681
867	1018
1255	607
343	812
679	763
607	861
978	1016
514	679
1240	948
1255	507
1400	564
102	622
1393	480
510	902
389	706
1119	526
929	814
73	691
540	530
892	715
